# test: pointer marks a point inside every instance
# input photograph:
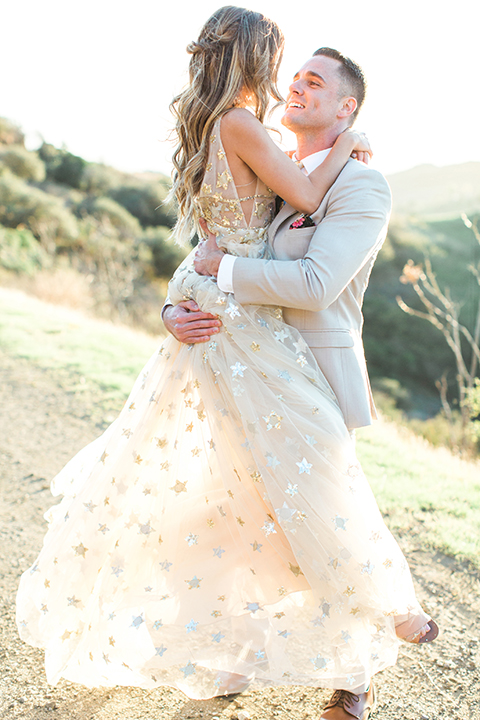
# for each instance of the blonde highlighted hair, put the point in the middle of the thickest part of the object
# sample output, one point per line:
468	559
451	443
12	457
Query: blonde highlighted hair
238	51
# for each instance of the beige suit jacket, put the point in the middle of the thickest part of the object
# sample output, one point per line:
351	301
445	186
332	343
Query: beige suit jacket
319	276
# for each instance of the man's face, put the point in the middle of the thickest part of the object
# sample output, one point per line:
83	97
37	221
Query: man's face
314	98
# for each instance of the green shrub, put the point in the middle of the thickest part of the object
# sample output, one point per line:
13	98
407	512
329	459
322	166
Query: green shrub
70	170
386	407
392	388
440	432
50	156
22	163
145	202
62	166
100	179
45	215
104	208
20	251
10	133
166	256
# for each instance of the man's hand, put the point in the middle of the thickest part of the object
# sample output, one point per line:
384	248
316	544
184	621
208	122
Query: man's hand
188	324
208	257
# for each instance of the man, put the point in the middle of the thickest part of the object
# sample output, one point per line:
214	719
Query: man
321	263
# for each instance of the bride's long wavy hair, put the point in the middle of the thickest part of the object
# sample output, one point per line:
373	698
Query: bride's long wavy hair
238	53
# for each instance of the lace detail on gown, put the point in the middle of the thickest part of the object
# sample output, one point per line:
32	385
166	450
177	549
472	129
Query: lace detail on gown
222	523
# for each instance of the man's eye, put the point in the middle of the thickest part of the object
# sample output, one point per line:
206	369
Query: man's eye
314	84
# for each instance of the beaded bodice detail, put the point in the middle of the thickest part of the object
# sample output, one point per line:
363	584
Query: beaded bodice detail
222	207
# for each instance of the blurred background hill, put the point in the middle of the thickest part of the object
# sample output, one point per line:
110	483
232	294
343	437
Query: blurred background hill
88	236
428	190
84	234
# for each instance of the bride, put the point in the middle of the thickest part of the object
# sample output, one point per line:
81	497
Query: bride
221	530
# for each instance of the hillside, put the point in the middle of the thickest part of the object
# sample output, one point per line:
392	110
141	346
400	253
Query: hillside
428	190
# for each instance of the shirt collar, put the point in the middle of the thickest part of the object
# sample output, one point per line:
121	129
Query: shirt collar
314	160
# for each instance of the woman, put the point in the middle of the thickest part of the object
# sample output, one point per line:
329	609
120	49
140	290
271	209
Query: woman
221	530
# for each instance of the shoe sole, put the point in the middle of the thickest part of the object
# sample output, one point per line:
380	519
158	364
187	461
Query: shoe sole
431	635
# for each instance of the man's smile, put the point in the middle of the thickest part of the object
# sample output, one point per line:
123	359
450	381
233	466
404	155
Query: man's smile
295	104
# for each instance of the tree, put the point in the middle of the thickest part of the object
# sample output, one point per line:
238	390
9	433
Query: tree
442	311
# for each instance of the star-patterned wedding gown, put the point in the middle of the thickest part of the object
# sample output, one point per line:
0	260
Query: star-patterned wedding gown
222	523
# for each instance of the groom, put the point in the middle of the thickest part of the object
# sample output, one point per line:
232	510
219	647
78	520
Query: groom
321	263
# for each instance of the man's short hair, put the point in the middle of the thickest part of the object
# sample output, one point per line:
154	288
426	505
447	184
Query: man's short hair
353	79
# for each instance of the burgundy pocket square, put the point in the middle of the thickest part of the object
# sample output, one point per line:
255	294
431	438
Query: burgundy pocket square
302	222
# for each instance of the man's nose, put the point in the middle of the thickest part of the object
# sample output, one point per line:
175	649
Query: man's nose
296	87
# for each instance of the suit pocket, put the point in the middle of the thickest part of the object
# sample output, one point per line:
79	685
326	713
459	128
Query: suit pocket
294	243
328	338
301	232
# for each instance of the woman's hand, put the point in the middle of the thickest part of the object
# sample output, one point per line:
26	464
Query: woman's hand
361	145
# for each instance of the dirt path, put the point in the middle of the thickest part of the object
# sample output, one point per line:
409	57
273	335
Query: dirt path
42	424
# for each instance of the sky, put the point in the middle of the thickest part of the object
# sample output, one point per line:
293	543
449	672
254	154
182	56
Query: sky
97	76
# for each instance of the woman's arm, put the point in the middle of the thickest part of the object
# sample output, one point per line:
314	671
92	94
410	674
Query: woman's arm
243	134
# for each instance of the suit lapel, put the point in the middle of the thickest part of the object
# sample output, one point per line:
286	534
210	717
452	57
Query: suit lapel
287	211
284	213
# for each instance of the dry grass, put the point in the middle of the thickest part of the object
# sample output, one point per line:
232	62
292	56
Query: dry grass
65	287
60	286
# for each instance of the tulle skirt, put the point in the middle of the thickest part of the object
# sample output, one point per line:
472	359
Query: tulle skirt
221	525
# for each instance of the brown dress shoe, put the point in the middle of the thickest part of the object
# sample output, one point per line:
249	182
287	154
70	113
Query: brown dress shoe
344	705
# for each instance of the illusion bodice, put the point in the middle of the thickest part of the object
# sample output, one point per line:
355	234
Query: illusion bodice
221	206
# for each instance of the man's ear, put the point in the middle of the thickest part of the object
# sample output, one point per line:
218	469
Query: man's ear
348	106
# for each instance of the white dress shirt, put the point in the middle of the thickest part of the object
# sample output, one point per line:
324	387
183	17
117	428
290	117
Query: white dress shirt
225	269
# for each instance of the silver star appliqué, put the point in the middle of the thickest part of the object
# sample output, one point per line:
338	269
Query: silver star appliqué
232	310
304	467
192	626
319	663
189	669
272	461
340	522
238	369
